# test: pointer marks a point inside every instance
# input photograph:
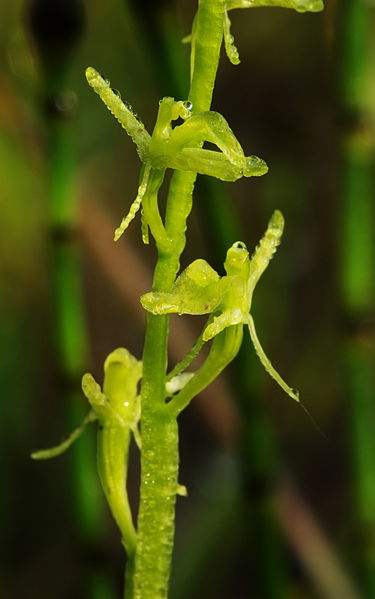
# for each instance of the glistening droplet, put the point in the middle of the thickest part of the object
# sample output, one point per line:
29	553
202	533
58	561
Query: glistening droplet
105	79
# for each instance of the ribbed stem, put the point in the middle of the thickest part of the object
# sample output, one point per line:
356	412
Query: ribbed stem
159	460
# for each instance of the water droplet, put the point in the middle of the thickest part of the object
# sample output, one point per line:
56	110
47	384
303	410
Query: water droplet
186	111
239	245
130	108
116	92
105	79
62	105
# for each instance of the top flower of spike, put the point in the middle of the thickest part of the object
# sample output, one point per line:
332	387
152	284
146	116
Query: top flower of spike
298	5
230	48
178	147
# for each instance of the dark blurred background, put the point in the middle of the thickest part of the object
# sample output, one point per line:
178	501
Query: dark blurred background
275	509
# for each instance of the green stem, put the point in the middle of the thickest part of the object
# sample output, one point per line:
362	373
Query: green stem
357	262
224	348
159	459
188	359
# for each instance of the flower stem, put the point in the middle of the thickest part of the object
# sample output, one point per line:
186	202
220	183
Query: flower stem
159	459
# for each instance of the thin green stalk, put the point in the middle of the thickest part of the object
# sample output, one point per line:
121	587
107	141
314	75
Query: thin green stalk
55	35
70	336
159	460
357	264
70	328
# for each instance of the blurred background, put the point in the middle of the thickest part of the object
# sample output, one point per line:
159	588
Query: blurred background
276	509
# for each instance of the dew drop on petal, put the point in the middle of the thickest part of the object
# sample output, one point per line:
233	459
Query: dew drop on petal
105	79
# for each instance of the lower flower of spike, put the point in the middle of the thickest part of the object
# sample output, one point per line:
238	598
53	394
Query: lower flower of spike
200	290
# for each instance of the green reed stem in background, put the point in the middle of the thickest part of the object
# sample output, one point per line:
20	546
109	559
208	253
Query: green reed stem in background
56	31
357	268
70	329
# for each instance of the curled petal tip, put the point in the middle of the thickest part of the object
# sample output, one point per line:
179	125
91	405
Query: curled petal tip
255	167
